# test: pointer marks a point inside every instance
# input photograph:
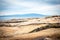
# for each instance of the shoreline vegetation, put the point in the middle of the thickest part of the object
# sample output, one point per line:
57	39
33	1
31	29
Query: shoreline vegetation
47	28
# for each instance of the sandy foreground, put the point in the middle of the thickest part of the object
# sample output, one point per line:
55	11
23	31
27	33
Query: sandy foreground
31	29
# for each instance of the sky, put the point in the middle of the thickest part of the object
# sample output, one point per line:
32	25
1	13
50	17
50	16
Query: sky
44	7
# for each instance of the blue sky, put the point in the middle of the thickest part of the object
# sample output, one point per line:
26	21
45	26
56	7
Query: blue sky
45	7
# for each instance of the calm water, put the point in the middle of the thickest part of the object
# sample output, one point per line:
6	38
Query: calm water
7	18
32	15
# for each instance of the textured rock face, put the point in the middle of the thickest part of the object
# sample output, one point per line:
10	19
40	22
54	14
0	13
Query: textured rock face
31	29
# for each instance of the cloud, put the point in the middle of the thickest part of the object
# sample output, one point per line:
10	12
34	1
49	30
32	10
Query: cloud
52	2
45	7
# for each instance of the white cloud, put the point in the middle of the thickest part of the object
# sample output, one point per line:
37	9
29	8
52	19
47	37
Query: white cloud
31	7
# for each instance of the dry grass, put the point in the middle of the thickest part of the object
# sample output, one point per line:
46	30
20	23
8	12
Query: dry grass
49	29
50	33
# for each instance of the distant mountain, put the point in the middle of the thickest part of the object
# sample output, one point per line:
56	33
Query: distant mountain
18	16
24	15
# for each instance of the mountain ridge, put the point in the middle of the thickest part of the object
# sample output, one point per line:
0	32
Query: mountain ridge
32	14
